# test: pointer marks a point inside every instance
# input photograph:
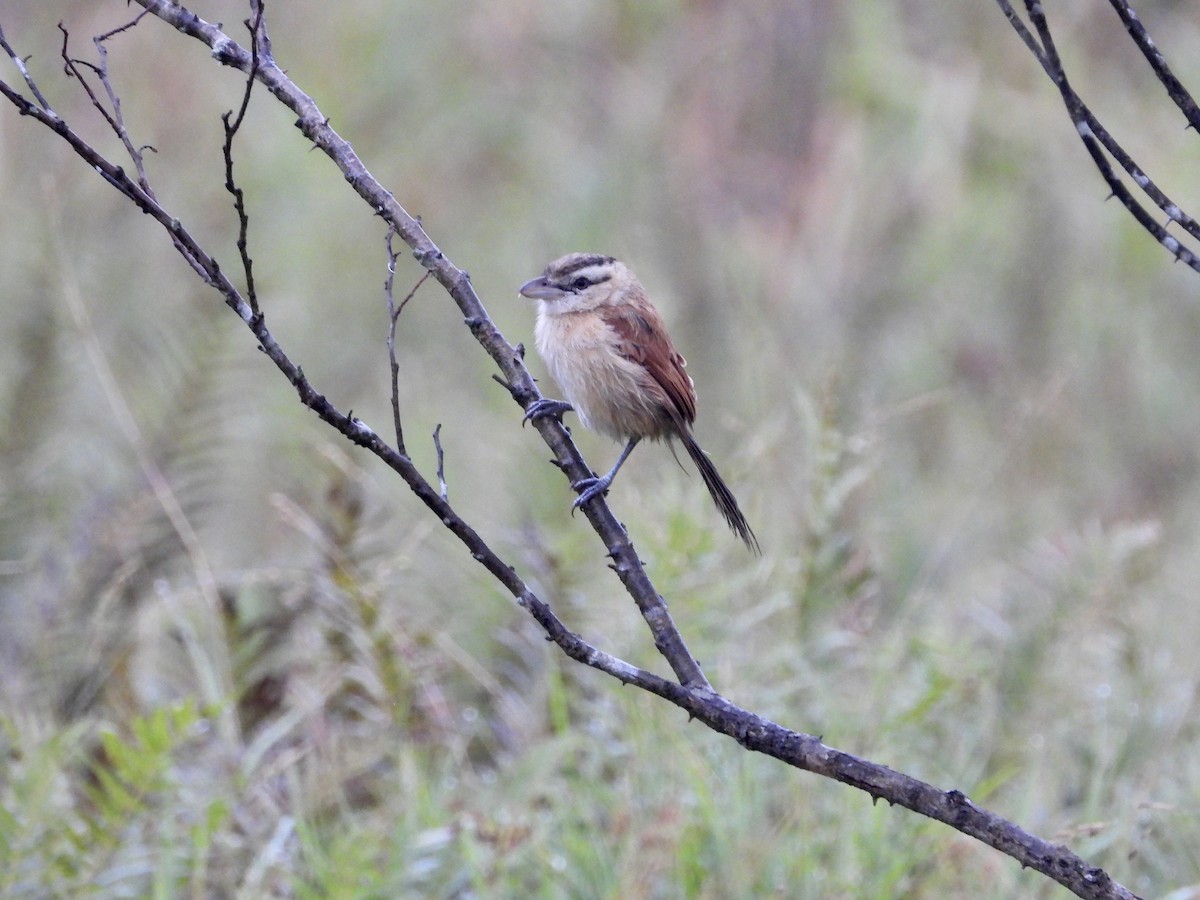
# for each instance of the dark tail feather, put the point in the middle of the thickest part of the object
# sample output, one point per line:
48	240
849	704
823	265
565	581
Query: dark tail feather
721	494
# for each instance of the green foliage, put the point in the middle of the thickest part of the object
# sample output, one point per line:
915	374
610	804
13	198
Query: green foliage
87	812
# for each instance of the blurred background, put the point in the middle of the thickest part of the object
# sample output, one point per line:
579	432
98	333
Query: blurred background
953	389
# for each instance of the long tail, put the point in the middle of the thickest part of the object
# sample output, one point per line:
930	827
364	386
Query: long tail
721	494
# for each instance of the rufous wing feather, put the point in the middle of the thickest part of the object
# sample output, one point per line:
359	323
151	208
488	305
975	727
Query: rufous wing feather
642	339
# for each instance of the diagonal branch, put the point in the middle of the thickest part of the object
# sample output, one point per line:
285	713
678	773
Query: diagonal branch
809	753
1175	89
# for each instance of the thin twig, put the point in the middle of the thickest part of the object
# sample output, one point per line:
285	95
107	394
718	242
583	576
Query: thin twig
100	38
115	119
231	129
29	82
394	314
135	153
411	294
262	39
443	489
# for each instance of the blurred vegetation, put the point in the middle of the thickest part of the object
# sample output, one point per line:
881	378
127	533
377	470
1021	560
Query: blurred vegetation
953	389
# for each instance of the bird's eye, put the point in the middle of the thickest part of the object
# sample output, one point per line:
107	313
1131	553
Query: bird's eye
580	283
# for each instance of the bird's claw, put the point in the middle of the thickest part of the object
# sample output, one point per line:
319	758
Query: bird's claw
589	489
545	407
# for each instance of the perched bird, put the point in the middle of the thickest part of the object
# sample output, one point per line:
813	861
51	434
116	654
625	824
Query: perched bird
609	351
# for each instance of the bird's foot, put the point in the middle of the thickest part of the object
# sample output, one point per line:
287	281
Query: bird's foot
545	407
589	489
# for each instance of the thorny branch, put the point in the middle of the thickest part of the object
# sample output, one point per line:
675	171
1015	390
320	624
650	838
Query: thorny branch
1096	138
692	692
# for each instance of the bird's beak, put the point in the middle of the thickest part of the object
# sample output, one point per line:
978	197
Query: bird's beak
539	289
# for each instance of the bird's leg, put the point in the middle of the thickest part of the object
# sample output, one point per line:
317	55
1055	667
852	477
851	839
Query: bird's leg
545	407
593	487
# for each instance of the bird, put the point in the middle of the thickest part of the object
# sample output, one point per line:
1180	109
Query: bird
608	349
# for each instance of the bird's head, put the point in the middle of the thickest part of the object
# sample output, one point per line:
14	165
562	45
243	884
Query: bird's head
580	281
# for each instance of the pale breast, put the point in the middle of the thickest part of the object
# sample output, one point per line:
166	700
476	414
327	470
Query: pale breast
610	394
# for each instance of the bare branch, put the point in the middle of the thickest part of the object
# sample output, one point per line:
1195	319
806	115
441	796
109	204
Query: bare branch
20	64
809	753
101	38
114	119
258	29
1097	140
443	488
394	314
1175	89
1024	34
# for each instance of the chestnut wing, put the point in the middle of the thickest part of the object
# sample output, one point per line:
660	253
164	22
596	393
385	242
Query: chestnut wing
642	338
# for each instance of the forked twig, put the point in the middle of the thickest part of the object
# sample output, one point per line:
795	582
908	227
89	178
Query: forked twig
114	118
